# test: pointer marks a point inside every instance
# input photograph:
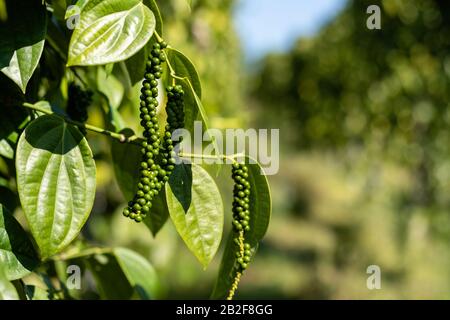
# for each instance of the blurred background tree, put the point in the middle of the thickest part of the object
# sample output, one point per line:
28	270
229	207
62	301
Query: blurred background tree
364	117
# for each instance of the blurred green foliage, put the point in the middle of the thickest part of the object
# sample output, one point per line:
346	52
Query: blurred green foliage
365	174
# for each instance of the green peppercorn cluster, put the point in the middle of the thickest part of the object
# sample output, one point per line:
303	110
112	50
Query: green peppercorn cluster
241	212
175	108
152	175
175	120
78	101
244	258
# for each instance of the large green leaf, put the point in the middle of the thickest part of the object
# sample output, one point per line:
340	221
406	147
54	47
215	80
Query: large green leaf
194	111
22	40
110	31
139	272
104	268
136	64
7	290
260	211
196	209
194	107
23	63
55	180
159	213
184	68
17	255
260	203
134	276
185	74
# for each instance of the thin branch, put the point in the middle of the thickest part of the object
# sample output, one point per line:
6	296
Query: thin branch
158	37
202	156
88	252
173	73
117	136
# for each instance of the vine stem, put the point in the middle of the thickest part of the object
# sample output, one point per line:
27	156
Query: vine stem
117	136
171	70
88	252
173	74
202	156
158	37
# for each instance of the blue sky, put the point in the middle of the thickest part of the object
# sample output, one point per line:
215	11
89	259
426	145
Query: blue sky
270	25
